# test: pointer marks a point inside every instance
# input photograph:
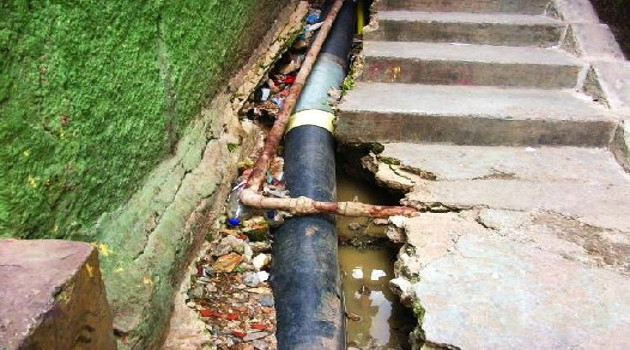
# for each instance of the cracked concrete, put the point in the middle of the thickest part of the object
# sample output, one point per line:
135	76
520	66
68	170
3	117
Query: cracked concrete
519	247
520	280
524	239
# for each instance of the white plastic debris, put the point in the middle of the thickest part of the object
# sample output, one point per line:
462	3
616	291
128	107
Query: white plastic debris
263	275
260	261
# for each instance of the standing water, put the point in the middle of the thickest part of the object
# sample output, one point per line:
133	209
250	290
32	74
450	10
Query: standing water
376	319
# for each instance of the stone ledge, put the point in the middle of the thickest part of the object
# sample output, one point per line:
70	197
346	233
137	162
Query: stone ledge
52	296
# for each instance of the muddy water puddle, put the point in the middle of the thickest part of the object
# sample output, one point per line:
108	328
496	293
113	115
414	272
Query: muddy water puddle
376	318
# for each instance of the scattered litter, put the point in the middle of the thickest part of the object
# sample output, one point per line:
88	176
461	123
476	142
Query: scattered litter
267	100
230	287
313	17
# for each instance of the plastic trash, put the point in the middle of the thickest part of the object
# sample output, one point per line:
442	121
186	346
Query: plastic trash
274	218
236	211
265	92
312	18
278	101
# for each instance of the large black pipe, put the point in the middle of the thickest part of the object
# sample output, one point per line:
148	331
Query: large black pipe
306	279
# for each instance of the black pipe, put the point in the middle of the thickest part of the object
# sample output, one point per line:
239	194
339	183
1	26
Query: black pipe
306	280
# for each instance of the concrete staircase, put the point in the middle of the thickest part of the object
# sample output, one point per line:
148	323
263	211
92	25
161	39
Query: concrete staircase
506	122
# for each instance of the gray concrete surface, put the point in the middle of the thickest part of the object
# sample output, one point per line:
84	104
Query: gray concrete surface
464	64
472	28
535	7
520	245
472	115
524	286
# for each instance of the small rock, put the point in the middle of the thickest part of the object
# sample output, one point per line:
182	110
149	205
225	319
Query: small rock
197	292
260	290
258	231
227	263
267	301
203	280
261	261
380	221
229	244
251	279
211	287
398	221
259	344
247	252
260	247
254	336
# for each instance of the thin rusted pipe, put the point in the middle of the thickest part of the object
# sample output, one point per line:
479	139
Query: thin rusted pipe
305	205
257	176
251	197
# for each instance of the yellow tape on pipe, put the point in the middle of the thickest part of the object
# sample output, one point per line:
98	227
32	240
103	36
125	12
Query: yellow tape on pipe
315	117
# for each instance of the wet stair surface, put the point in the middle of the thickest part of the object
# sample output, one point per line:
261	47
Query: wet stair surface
505	121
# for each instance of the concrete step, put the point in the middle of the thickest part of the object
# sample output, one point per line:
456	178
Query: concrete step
473	115
473	28
534	7
444	64
570	181
550	164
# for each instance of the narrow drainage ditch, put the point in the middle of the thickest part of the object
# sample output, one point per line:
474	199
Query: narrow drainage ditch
375	317
230	289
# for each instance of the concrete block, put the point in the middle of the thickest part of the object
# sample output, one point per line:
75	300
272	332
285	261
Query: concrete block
450	64
52	297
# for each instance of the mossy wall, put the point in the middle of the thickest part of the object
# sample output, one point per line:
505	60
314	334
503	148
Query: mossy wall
94	94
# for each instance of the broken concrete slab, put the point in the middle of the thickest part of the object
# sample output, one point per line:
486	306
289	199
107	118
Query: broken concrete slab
518	286
599	203
53	296
472	28
449	162
587	184
450	64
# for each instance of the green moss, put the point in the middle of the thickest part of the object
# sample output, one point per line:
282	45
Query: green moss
93	95
418	310
389	160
